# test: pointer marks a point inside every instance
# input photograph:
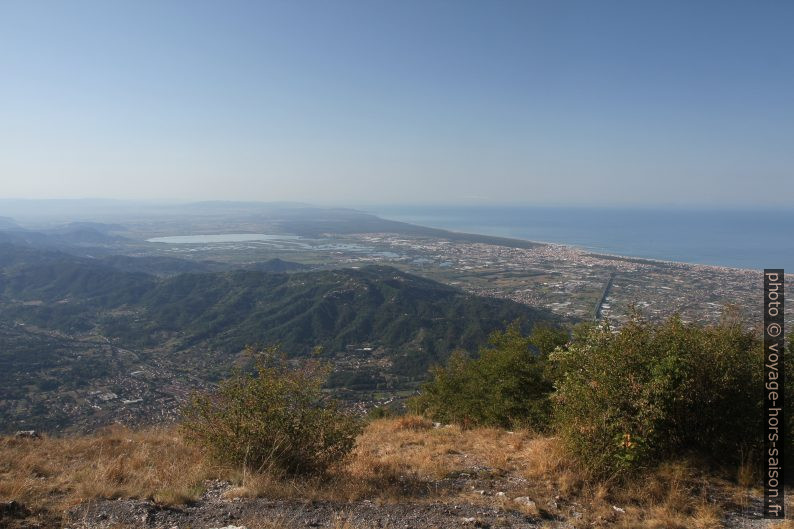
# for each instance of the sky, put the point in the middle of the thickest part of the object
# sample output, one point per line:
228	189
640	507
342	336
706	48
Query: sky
649	103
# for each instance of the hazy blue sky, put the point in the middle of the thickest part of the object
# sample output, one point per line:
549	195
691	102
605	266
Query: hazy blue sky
593	102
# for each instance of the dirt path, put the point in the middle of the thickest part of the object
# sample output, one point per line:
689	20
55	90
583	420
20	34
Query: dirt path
256	513
213	512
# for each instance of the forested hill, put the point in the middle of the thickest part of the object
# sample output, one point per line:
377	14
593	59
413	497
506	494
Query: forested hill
411	317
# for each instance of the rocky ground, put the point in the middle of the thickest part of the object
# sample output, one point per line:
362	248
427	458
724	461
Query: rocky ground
213	510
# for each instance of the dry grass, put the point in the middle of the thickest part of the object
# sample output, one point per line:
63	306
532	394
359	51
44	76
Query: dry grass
524	464
398	459
432	453
675	496
58	473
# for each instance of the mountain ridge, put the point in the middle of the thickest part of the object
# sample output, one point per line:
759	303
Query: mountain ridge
72	328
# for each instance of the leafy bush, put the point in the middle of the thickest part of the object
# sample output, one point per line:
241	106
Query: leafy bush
506	386
276	418
652	391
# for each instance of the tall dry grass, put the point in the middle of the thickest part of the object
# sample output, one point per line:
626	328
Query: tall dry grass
57	473
397	459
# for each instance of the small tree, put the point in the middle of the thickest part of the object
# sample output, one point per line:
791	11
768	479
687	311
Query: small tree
506	386
275	418
653	391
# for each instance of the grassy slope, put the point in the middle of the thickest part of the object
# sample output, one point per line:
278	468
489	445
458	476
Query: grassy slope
225	311
396	460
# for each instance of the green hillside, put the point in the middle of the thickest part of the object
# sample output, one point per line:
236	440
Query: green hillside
417	320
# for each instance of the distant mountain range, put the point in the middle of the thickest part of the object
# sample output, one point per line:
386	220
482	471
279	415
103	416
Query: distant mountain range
294	218
63	236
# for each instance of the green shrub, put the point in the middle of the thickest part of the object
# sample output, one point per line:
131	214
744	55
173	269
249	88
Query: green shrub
506	386
276	418
653	391
379	412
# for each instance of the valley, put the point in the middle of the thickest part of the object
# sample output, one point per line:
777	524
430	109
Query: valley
98	324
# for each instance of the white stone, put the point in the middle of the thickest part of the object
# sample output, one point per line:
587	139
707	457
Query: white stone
524	500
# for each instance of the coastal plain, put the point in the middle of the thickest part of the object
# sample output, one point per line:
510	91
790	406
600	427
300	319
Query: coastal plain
68	369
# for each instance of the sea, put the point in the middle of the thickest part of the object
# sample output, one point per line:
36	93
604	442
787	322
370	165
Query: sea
754	239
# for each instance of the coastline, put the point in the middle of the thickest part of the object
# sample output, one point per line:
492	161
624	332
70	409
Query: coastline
726	238
515	242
